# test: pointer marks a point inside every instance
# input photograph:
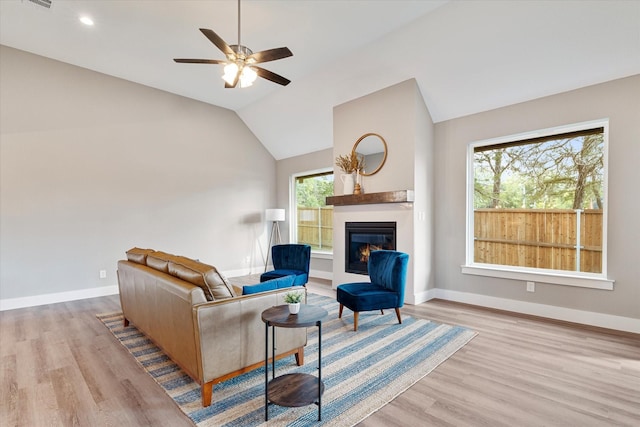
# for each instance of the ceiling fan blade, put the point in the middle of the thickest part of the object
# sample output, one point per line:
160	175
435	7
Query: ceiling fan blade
217	40
276	78
199	61
270	55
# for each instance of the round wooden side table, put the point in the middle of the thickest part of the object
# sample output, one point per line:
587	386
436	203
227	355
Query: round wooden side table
296	389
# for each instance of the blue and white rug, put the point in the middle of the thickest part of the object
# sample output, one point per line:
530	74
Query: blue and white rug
361	371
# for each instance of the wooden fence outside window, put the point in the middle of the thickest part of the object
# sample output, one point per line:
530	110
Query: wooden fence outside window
539	238
315	227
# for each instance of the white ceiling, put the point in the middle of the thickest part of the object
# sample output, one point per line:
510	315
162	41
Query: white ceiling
467	56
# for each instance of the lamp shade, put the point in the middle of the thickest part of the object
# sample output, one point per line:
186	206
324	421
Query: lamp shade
274	215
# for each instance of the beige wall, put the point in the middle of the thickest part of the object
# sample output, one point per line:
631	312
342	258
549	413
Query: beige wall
92	165
617	100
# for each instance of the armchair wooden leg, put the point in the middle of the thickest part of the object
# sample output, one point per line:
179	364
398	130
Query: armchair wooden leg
340	312
355	320
207	393
398	315
125	322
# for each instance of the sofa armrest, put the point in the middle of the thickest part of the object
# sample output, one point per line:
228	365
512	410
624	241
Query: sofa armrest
230	333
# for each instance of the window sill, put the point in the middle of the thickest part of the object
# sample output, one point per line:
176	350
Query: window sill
536	276
321	255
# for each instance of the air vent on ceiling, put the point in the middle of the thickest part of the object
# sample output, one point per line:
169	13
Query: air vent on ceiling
43	3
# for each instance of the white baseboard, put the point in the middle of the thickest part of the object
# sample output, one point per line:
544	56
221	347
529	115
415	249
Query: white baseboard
13	303
609	321
421	297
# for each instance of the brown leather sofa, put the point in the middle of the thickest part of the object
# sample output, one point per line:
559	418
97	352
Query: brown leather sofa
198	319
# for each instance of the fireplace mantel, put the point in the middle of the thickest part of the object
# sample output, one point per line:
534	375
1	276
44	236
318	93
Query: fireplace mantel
400	196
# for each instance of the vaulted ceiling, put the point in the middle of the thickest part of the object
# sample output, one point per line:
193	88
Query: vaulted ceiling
467	56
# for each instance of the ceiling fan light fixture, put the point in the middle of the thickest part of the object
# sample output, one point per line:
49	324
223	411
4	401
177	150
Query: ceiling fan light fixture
230	72
238	67
247	77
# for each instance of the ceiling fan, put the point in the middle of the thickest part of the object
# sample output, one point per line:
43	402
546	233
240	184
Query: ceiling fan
240	64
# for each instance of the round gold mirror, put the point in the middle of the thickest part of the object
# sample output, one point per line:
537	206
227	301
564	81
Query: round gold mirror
373	148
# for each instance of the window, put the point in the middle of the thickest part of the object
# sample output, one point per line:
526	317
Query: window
538	205
313	220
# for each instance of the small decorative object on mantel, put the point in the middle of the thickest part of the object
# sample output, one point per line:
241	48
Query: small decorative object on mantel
293	299
349	164
358	187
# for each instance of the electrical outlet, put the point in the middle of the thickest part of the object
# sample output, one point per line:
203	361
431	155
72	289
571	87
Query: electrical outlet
531	286
103	274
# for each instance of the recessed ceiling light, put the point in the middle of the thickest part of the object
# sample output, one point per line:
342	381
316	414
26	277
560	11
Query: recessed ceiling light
86	20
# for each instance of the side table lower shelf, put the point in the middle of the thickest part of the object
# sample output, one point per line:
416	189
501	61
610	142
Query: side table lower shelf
295	390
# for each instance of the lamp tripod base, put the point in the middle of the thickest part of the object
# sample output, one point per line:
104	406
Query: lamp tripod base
275	239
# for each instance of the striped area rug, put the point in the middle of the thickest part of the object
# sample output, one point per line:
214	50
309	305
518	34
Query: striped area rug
361	371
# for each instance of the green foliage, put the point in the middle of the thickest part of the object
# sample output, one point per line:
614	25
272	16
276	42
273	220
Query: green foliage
556	174
312	192
293	297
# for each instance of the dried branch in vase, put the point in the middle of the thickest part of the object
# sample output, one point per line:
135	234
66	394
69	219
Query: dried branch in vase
350	163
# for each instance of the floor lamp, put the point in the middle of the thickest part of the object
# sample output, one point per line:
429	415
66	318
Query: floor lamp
274	216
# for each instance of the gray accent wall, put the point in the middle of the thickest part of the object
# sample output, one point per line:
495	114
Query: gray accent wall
92	165
618	100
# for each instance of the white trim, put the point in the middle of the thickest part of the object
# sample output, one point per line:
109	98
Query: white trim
602	320
32	301
421	297
568	278
542	276
321	255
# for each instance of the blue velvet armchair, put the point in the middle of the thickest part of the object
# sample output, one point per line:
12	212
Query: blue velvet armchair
388	274
289	259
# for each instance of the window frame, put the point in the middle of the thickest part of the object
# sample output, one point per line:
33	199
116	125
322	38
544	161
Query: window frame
293	207
559	277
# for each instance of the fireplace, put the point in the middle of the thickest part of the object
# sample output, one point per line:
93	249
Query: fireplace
363	237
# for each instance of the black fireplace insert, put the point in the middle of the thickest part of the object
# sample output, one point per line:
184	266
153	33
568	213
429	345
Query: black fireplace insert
363	237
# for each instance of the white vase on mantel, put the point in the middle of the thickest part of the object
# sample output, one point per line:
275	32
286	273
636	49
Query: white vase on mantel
348	183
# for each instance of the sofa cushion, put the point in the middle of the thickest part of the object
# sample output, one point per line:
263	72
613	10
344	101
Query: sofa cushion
260	287
138	255
300	276
159	261
207	277
269	285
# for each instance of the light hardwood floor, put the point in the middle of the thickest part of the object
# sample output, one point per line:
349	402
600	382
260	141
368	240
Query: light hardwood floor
60	366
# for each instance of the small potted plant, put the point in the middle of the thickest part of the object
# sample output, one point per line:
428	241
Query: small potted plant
293	298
